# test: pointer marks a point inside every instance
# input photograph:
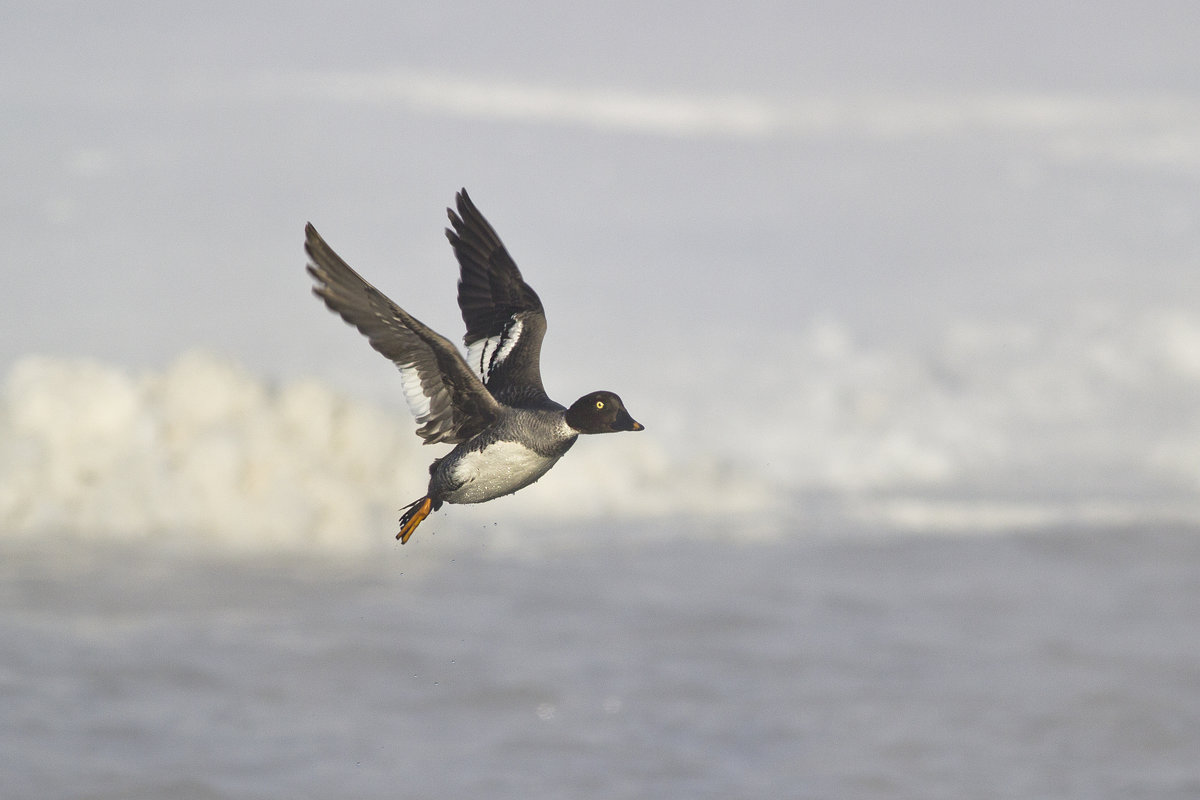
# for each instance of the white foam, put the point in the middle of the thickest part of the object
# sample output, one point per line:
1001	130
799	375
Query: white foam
1091	418
202	449
206	450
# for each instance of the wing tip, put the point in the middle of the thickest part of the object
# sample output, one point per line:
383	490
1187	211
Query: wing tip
315	246
462	211
466	206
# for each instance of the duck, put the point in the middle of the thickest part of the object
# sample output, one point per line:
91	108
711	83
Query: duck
489	403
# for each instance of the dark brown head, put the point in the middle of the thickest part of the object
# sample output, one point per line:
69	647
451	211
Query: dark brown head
600	412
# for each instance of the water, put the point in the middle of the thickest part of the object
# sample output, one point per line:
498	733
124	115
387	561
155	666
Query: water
1058	664
963	570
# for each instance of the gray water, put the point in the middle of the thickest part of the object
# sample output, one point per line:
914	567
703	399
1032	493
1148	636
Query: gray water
1045	664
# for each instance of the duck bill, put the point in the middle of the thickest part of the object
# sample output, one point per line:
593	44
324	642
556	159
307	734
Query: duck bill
624	422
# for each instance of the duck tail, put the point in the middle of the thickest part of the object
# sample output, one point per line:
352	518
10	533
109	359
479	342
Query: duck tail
414	513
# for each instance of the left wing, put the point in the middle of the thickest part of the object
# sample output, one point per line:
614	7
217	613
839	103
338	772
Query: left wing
448	400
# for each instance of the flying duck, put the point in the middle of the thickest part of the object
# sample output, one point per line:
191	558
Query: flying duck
490	405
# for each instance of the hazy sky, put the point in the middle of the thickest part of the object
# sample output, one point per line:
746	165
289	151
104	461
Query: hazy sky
684	169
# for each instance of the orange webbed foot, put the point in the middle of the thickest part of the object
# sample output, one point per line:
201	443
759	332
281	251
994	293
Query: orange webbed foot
416	512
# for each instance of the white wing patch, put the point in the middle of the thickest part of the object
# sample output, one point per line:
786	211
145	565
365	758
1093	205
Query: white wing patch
480	353
508	340
418	401
487	354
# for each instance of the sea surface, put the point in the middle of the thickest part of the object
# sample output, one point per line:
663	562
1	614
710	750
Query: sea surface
1056	663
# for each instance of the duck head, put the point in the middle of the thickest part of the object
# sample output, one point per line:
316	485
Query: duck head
600	412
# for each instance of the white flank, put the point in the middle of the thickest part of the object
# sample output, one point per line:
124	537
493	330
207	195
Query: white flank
503	468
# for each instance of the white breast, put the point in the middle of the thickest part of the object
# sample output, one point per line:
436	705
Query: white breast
501	468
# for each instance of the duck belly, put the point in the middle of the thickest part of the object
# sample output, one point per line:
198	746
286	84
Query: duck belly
501	468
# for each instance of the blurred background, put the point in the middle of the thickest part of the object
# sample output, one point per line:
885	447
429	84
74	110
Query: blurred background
903	251
867	272
909	250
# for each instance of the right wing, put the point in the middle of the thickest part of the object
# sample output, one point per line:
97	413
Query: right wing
504	317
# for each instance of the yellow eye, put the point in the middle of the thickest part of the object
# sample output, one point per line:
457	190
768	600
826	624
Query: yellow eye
599	404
